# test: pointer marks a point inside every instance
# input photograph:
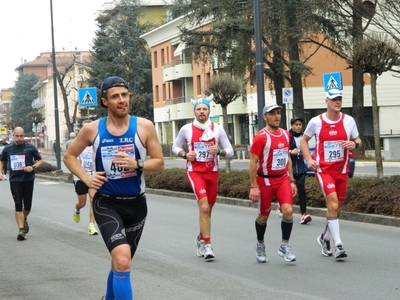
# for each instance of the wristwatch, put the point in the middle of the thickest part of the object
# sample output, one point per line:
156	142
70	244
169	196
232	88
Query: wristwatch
33	167
140	164
357	144
183	155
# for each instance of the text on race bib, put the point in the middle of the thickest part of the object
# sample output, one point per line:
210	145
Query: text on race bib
201	149
333	151
17	162
111	169
280	159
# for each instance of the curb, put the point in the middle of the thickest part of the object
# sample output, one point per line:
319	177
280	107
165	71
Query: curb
319	212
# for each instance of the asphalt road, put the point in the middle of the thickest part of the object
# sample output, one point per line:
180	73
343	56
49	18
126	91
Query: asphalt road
59	260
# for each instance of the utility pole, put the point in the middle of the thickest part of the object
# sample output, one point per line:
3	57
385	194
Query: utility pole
53	58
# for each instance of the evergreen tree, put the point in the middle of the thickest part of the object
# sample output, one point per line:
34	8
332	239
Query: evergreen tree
119	50
22	101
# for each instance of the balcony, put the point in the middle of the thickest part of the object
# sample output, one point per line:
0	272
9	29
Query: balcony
178	69
178	100
37	103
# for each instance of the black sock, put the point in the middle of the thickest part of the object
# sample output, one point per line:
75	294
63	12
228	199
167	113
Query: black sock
260	230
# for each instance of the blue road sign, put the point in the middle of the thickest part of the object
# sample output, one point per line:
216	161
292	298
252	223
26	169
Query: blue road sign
287	94
87	97
333	81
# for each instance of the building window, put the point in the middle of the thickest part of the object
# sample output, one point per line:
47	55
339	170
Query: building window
198	84
157	94
81	71
155	60
162	57
164	92
207	79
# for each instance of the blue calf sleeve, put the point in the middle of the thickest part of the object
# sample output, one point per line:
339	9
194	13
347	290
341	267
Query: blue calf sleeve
122	286
110	290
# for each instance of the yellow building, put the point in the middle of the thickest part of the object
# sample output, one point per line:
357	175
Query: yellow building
5	106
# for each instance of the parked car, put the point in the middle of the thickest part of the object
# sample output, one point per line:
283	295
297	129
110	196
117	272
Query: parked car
352	161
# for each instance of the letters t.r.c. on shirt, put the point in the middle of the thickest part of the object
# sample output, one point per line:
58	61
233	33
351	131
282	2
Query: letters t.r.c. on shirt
121	181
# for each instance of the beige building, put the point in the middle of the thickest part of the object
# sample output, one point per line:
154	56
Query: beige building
73	68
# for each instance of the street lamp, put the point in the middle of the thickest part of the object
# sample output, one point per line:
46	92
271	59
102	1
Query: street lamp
53	58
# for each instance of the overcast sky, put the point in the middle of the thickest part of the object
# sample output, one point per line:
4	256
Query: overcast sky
25	30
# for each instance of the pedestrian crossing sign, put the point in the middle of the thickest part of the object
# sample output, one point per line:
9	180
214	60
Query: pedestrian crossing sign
333	81
87	97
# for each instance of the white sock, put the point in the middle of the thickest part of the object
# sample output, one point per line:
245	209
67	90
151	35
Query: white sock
333	224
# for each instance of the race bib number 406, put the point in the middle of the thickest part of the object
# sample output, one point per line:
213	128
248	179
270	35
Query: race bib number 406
111	169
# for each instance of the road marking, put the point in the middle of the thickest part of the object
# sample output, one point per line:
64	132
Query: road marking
48	182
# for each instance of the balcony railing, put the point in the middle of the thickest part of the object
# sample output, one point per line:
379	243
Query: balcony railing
183	60
37	103
178	100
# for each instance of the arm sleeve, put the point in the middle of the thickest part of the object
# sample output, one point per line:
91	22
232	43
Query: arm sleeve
224	141
179	141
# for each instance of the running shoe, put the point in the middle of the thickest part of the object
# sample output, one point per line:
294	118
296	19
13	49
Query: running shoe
208	254
305	218
279	211
285	252
200	247
92	229
340	252
261	257
77	215
21	235
325	246
26	226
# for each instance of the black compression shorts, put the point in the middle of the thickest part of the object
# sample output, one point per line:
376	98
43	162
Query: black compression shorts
22	193
120	219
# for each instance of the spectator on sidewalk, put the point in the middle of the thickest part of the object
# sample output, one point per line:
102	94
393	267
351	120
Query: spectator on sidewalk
55	147
72	136
3	144
299	168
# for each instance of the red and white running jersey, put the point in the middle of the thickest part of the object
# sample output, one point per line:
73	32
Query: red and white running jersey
329	135
204	161
272	148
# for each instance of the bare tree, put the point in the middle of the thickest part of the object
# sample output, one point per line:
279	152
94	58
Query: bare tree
225	90
375	55
68	80
35	117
